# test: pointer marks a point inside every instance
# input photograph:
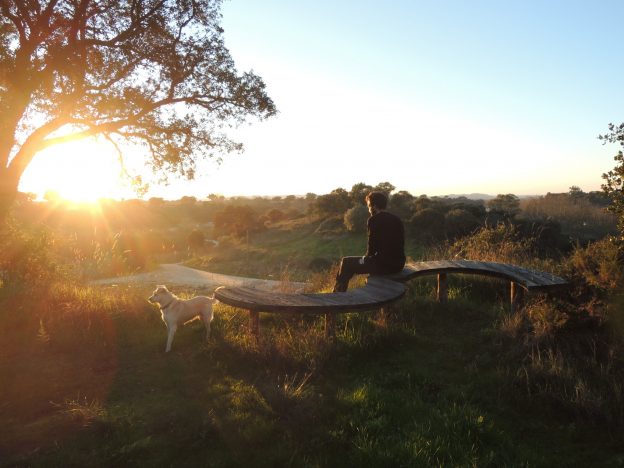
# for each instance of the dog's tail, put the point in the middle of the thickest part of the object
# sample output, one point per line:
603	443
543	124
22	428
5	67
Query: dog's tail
214	295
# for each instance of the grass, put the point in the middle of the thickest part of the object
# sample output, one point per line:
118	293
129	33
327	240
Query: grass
86	383
286	251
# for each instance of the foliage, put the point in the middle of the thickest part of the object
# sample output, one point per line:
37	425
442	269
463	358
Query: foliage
196	239
427	224
459	222
614	179
385	187
402	204
545	236
274	215
237	220
507	204
26	255
332	204
155	74
580	215
600	265
358	193
501	243
355	218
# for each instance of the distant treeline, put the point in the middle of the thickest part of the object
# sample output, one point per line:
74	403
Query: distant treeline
577	214
123	235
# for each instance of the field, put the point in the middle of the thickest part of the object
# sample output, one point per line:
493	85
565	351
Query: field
439	386
85	381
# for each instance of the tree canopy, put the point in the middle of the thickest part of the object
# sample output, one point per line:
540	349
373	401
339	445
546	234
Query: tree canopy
153	73
613	186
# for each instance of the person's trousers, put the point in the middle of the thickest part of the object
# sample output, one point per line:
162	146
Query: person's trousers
350	266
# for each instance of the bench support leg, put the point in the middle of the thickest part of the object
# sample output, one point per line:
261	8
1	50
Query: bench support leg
516	296
254	324
383	316
442	294
330	325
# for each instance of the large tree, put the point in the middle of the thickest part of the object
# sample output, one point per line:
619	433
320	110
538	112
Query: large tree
149	72
614	179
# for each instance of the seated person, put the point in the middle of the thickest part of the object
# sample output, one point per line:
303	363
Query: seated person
386	238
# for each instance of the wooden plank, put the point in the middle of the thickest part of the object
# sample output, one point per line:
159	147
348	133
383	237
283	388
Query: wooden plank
373	295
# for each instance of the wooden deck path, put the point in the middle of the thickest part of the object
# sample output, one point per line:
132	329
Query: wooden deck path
382	290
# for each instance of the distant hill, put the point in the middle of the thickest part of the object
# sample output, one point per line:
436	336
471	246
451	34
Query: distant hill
472	196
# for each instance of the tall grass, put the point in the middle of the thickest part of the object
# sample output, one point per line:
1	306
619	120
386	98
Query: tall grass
579	218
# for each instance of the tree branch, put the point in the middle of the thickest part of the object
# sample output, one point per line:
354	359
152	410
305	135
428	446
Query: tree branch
31	146
135	25
14	19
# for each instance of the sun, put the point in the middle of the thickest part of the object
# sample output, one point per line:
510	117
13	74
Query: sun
79	171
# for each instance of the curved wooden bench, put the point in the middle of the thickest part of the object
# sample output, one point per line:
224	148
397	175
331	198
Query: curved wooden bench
527	279
376	293
382	290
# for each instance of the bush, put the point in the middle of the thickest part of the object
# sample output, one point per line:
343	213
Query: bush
545	234
459	222
427	223
26	255
355	218
196	239
498	244
276	215
237	220
599	265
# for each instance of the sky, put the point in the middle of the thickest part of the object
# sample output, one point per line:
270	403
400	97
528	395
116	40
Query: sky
436	97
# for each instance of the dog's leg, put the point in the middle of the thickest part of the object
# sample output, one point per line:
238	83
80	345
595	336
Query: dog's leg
206	318
171	329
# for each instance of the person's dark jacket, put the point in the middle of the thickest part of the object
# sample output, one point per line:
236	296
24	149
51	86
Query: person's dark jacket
386	241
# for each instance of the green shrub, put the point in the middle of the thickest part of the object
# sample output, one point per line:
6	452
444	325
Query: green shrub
26	255
427	224
196	239
355	218
459	222
599	265
498	244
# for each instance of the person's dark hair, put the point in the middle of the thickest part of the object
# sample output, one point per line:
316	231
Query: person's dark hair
377	199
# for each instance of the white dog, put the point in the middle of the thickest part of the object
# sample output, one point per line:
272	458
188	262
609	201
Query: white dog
177	311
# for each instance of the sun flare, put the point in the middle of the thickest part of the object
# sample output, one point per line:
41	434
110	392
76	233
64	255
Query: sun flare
80	171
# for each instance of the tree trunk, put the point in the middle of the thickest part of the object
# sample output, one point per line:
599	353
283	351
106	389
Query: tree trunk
8	193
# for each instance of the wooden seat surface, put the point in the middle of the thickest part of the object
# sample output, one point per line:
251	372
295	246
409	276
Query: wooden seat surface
531	280
376	293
